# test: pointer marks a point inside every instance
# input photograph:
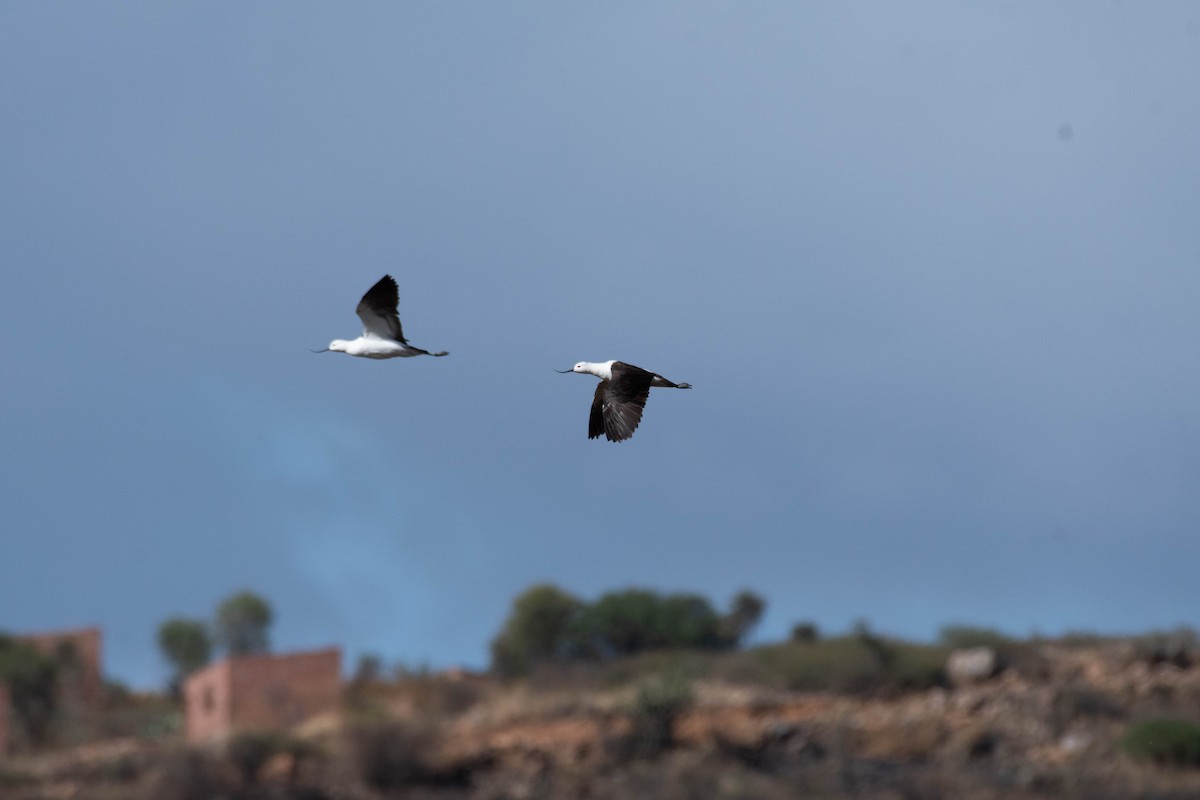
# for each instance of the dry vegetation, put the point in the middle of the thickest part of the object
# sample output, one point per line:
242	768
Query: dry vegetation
845	717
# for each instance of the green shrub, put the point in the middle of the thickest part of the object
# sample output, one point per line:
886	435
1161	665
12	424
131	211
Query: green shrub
190	774
392	755
436	696
32	678
636	620
1164	741
251	749
880	648
186	645
963	636
15	779
549	625
915	667
745	612
862	663
536	630
242	624
659	702
143	716
1179	647
368	670
805	632
124	768
839	664
1082	639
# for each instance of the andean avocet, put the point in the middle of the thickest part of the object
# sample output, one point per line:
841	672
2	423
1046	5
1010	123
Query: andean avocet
620	396
382	336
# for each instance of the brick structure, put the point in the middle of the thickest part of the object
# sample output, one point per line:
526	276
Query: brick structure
261	693
81	688
79	693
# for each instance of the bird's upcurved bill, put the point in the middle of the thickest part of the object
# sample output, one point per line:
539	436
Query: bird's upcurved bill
326	350
563	371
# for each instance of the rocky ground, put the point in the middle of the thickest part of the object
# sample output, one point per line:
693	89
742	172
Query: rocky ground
1048	726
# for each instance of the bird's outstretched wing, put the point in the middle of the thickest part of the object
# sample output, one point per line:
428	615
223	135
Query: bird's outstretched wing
619	401
378	311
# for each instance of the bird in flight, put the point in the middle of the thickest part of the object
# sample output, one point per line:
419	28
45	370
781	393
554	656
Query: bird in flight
620	396
382	336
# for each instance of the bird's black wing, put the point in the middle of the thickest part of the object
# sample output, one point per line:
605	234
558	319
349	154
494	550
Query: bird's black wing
378	310
596	418
618	404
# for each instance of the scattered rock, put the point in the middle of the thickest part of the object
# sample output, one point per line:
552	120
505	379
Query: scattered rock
972	665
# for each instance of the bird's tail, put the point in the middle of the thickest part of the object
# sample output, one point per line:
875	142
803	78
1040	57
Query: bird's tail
659	380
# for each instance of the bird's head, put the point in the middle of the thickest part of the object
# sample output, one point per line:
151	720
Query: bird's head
602	369
336	346
582	366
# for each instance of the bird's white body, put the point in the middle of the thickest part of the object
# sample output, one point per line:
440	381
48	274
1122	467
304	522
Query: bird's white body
382	336
369	346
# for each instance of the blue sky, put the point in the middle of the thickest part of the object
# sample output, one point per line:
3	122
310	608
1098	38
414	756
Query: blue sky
932	270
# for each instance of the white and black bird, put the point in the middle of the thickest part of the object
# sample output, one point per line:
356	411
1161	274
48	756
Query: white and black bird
620	396
382	336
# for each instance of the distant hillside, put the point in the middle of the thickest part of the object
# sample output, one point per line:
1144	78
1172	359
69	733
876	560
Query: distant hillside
851	716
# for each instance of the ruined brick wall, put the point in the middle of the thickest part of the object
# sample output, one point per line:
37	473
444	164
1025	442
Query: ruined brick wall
206	699
81	689
262	692
281	691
